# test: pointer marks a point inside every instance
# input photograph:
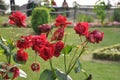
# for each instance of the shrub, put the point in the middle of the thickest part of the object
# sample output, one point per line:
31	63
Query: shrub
116	15
85	18
108	53
40	15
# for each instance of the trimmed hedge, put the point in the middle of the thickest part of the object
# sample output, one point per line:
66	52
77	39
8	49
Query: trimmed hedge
40	15
108	53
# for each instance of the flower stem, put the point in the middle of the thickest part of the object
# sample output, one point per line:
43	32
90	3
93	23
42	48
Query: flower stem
54	75
71	61
83	49
9	61
65	54
50	61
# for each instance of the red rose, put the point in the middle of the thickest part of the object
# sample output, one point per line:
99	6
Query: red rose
15	72
38	41
95	36
61	21
81	28
17	18
58	34
35	66
45	28
58	47
21	56
47	52
24	42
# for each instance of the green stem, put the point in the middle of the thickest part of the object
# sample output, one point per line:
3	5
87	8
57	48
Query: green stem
54	75
65	66
83	49
50	61
9	61
71	61
65	63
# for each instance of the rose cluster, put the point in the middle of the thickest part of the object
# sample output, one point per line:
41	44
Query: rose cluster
82	28
17	18
42	47
47	49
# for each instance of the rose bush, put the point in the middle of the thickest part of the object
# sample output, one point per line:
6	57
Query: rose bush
48	48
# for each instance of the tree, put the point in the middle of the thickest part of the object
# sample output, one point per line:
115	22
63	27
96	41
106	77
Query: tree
100	10
3	6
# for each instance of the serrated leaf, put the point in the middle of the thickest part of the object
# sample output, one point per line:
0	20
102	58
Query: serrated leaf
47	75
62	76
22	74
67	49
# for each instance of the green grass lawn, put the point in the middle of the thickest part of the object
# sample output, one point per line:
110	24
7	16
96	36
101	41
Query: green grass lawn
100	70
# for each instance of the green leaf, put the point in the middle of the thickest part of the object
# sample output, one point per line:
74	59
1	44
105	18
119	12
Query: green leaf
10	75
62	76
3	46
67	49
47	75
10	44
78	67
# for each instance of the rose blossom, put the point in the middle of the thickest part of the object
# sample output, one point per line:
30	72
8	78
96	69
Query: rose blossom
95	36
15	71
58	34
35	66
38	41
17	18
46	52
58	47
21	56
61	21
81	28
25	42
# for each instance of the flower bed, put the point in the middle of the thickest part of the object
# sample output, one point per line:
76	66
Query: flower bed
108	53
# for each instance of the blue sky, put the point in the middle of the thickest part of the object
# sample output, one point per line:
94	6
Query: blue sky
59	2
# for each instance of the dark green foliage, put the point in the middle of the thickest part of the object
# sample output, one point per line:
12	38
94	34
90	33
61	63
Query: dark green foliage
116	15
40	15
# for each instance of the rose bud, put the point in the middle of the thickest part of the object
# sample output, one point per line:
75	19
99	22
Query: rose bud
58	34
58	47
21	56
35	67
45	28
